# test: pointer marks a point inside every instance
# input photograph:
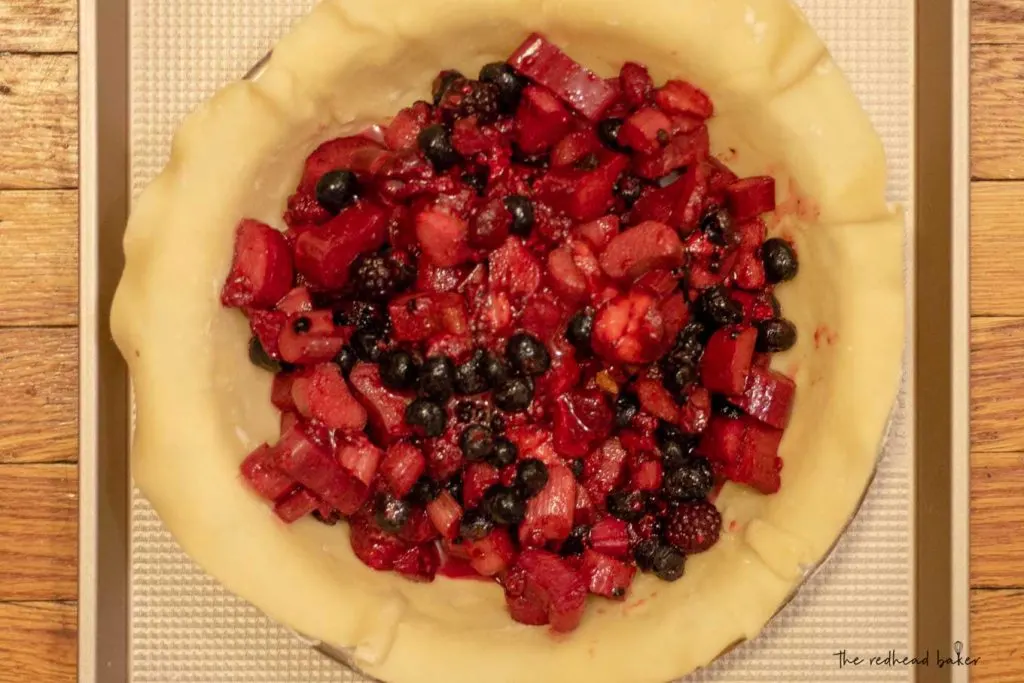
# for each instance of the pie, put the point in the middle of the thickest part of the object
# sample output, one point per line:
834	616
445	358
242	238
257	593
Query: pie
522	326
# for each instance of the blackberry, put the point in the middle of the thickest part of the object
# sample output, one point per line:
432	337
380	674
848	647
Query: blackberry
577	542
689	346
469	377
717	309
527	354
337	189
390	513
694	527
776	335
471	412
258	356
531	477
426	417
692	479
378	277
780	262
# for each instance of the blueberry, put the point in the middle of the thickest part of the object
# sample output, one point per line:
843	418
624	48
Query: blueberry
580	329
587	162
677	376
692	480
258	356
531	477
675	446
504	454
577	467
577	541
423	491
644	553
503	505
527	354
629	189
717	308
426	417
775	336
689	345
626	408
475	525
780	262
437	378
493	370
510	84
716	225
346	359
454	487
398	369
302	324
436	144
477	443
668	563
477	179
521	209
336	189
721	406
367	345
390	513
469	376
515	395
628	506
442	82
608	133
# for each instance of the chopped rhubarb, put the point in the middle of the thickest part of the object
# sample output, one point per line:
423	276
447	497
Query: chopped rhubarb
645	130
263	476
323	256
492	554
318	471
604	469
680	97
550	586
606	576
656	399
549	515
386	408
767	396
580	88
296	505
310	338
542	121
682	150
514	269
478	478
445	513
443	238
610	537
331	402
359	457
646	247
261	272
727	358
751	197
598	233
403	465
746	451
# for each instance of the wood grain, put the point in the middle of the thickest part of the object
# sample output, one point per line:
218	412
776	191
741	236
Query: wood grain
38	25
997	249
38	532
997	384
996	636
38	395
997	93
997	21
38	248
37	642
38	98
997	516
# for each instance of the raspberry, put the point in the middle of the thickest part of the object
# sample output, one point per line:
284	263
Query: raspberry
694	527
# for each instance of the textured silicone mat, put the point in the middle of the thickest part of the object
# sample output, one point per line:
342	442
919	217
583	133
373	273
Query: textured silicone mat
185	627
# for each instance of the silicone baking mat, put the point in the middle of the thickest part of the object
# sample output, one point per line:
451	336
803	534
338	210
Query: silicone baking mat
185	627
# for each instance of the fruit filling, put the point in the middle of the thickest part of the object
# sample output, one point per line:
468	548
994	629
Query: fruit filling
522	333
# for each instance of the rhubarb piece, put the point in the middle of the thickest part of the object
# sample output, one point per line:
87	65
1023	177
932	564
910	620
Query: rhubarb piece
261	271
549	515
655	399
727	359
606	576
513	269
745	450
751	197
443	238
359	457
385	408
492	554
323	256
263	476
331	402
604	469
645	130
318	471
541	121
629	329
479	477
402	467
610	536
376	548
296	505
551	588
682	150
544	63
598	233
680	97
767	396
581	420
646	247
445	514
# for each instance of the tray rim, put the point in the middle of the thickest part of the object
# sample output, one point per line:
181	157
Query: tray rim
104	488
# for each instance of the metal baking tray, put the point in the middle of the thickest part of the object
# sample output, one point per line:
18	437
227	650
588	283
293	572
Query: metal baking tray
937	367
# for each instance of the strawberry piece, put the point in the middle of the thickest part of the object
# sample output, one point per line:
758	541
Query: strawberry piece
386	408
727	358
492	554
323	256
604	469
610	536
419	563
598	233
543	317
261	269
543	62
675	311
629	329
443	238
767	396
263	476
417	317
297	301
331	402
566	278
682	150
541	583
541	121
536	443
376	548
745	451
692	197
478	477
549	515
680	97
748	271
513	269
644	130
751	197
580	420
314	468
647	475
582	195
267	326
445	514
656	399
403	465
636	84
606	576
403	130
574	146
296	505
646	247
359	457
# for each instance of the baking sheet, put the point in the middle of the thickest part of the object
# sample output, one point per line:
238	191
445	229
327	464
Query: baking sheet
178	624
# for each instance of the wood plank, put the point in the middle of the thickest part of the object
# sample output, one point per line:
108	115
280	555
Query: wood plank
997	622
39	26
38	395
997	516
997	384
39	100
38	642
997	21
39	258
997	248
39	532
997	94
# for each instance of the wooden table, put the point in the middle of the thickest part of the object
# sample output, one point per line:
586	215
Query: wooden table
38	340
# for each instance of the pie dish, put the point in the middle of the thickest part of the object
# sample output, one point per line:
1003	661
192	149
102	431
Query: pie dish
782	109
